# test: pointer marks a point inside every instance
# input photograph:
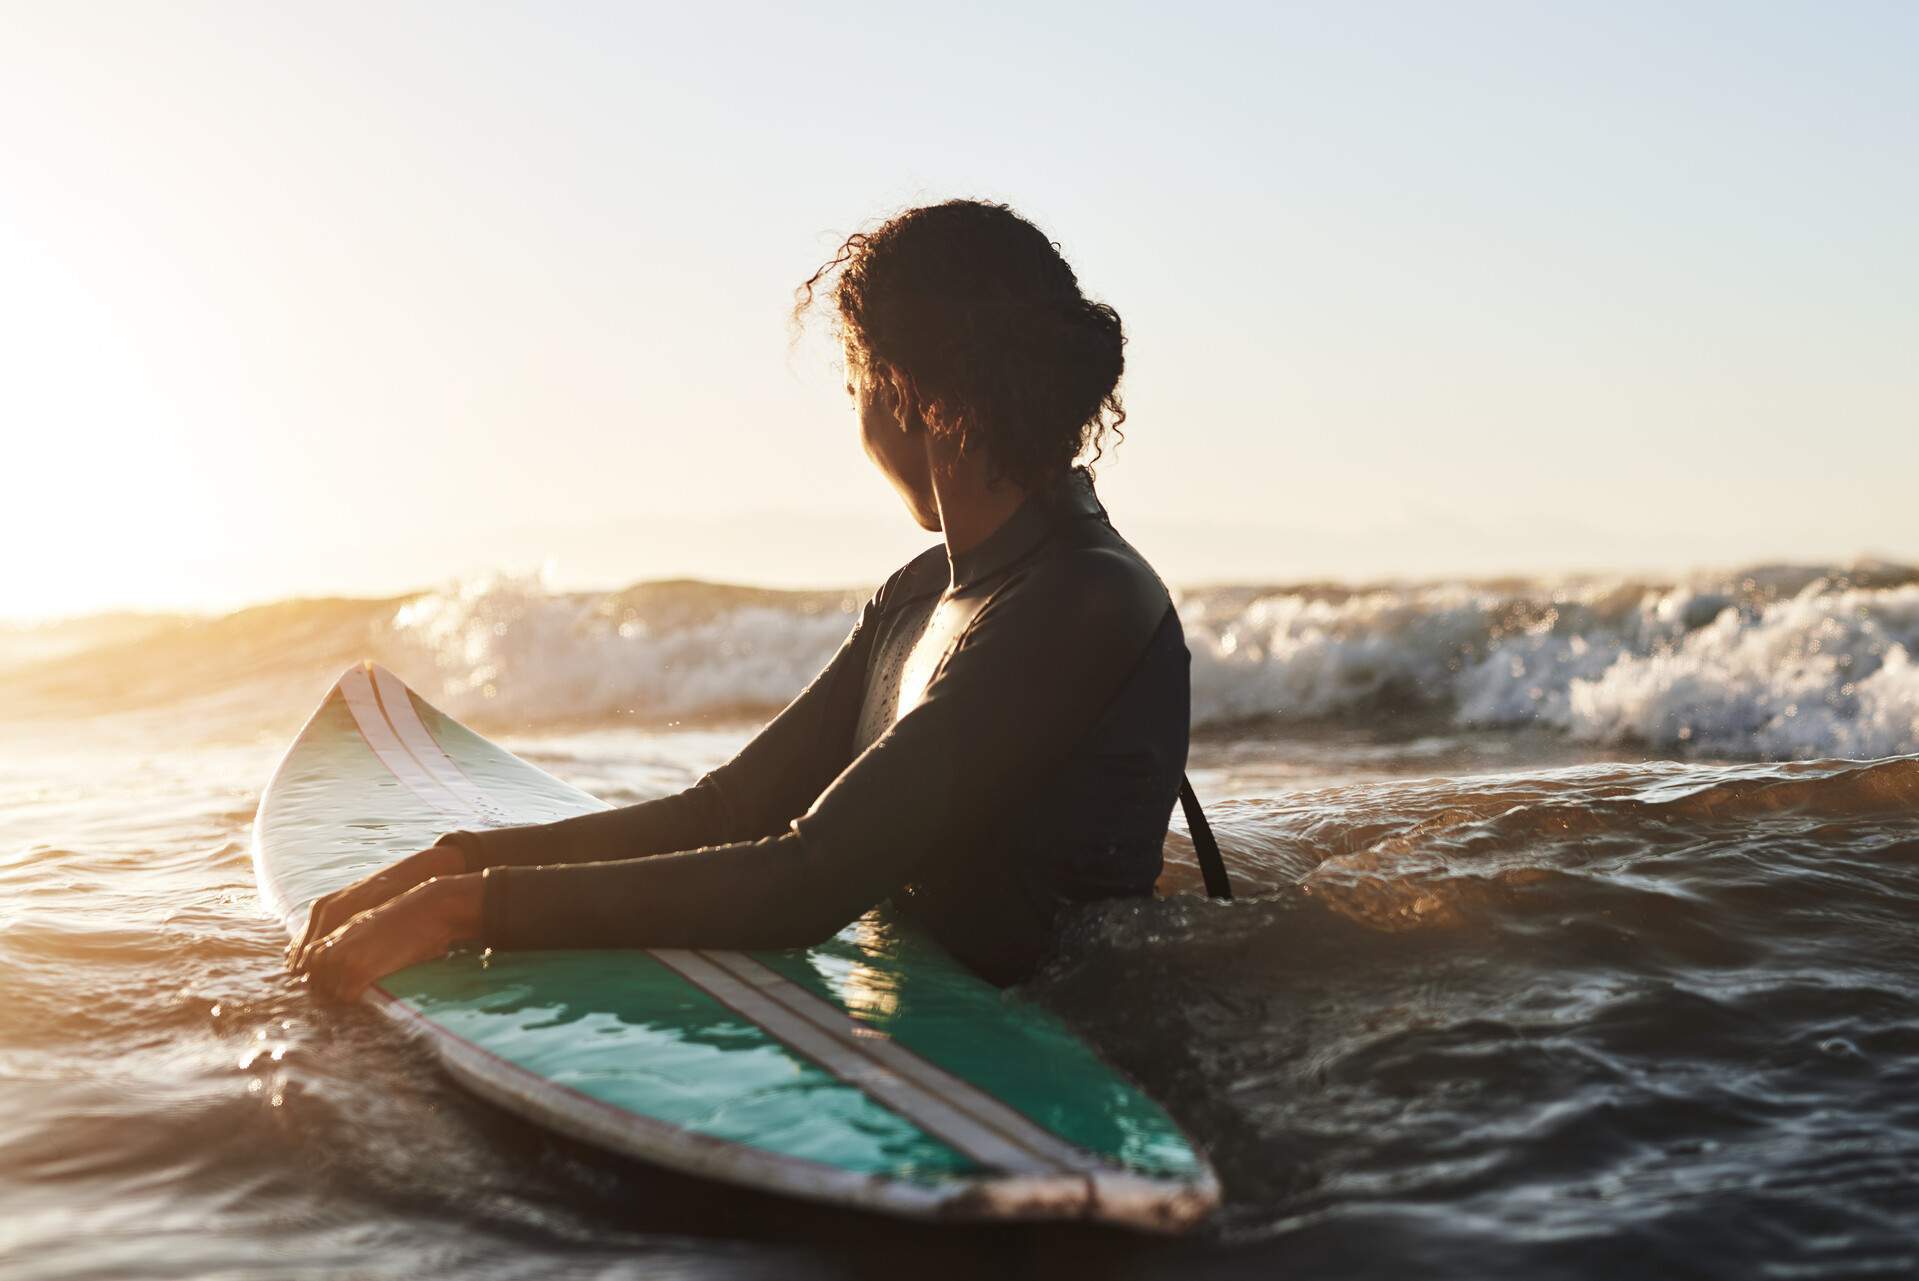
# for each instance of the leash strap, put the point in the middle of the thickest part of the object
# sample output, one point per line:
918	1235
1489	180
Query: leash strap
1205	848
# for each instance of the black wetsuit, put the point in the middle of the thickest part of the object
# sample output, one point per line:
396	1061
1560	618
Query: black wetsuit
998	737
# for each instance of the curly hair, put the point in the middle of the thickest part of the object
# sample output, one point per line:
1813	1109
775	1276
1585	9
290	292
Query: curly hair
973	320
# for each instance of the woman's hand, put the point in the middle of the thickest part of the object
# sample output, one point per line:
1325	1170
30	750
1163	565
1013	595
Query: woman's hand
331	911
419	925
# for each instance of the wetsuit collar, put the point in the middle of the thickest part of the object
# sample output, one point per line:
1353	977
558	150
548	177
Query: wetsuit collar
1069	498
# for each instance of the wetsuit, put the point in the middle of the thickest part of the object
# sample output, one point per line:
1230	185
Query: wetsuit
1000	735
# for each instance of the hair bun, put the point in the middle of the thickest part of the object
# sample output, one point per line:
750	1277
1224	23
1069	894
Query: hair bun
971	314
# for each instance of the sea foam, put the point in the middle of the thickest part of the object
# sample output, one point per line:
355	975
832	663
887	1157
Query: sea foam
508	649
1757	666
1782	662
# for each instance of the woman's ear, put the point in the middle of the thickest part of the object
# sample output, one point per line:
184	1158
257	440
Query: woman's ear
906	411
911	421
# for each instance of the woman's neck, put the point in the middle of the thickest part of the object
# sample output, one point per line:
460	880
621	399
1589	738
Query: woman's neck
972	503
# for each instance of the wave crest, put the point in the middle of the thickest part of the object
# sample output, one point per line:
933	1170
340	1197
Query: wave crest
1786	664
507	649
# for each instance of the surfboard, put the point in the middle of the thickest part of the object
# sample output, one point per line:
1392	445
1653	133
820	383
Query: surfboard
872	1071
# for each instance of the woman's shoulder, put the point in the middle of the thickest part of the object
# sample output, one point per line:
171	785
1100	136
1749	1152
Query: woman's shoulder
1102	583
1084	582
924	575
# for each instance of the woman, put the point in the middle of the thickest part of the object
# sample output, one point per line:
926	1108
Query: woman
1003	733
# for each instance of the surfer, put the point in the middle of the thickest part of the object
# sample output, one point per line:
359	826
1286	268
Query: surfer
1004	731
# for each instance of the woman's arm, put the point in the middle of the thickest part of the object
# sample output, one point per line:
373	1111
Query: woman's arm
1030	677
772	779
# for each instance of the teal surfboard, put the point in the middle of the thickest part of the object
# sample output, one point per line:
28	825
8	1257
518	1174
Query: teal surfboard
871	1071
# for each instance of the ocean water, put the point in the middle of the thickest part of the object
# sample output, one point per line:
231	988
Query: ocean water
1578	937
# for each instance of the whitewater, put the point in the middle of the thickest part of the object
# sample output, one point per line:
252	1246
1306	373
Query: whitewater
1772	663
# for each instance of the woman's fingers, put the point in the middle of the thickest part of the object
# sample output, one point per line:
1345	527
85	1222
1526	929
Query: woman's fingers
331	976
327	915
317	916
332	971
333	964
387	922
314	952
374	944
333	910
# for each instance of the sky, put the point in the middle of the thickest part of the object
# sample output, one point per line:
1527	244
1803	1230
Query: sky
354	298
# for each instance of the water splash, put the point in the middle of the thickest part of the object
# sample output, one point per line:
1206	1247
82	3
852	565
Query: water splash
1778	663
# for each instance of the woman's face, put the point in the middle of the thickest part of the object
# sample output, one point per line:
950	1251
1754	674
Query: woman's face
897	449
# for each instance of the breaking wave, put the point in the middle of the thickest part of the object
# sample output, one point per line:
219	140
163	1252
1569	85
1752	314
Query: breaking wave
507	649
1777	662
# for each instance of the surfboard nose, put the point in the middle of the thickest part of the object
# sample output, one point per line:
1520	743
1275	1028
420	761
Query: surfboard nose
368	668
